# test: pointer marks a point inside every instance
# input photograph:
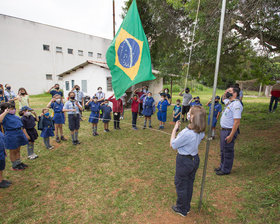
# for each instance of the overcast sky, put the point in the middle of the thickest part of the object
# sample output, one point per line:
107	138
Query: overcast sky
88	16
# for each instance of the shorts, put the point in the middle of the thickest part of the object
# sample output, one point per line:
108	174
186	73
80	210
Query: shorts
161	116
2	165
74	121
176	119
14	139
186	109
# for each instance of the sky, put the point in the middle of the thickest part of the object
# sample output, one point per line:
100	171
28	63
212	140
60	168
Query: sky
93	17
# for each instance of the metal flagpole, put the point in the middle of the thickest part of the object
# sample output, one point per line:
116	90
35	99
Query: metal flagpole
213	100
114	21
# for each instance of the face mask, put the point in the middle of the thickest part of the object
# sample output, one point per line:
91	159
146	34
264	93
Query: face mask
228	95
188	116
27	113
145	90
216	101
22	93
196	100
13	111
135	98
57	88
149	96
162	99
178	103
8	88
166	91
47	114
77	89
95	100
106	104
72	97
100	90
58	100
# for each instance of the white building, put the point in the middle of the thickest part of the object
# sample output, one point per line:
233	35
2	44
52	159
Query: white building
93	74
33	54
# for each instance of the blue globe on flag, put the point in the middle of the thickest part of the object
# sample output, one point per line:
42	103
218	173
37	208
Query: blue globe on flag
128	53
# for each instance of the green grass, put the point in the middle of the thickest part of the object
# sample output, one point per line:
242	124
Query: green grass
127	176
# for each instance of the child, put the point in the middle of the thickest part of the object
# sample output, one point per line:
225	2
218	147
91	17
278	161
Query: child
106	114
47	127
134	109
14	136
94	105
73	107
23	98
117	110
162	109
3	183
59	119
195	102
187	161
216	114
148	108
29	130
177	111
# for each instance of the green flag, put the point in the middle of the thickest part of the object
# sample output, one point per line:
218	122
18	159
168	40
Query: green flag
128	56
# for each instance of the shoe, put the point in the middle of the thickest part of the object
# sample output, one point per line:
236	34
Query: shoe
93	134
176	210
35	156
144	127
217	169
135	128
213	137
8	182
51	147
74	143
78	143
118	128
150	126
30	157
24	165
121	118
96	133
220	173
18	167
63	139
3	184
57	140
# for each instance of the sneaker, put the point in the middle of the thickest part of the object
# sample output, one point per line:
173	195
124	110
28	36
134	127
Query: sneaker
3	184
217	169
18	167
8	182
121	118
30	157
35	156
74	143
220	173
135	128
93	134
150	126
118	128
176	210
57	140
144	127
51	147
24	165
78	143
108	130
96	133
63	139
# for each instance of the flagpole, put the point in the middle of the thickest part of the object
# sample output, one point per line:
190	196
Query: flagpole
114	21
213	100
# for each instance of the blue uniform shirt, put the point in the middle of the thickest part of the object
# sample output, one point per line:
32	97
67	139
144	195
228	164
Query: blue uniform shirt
177	110
187	142
57	107
217	109
28	122
106	111
11	122
2	147
233	110
72	105
54	92
195	104
94	107
162	105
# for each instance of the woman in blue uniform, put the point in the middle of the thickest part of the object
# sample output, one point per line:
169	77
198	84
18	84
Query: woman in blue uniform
47	127
29	123
94	106
148	108
162	110
59	119
216	114
14	136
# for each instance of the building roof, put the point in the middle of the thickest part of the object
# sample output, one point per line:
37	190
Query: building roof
98	63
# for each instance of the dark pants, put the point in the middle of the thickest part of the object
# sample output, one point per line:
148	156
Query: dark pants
117	120
272	99
185	174
134	119
140	109
227	151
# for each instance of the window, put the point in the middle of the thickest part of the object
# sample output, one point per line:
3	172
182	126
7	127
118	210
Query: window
99	55
109	84
84	86
67	85
72	83
58	49
80	53
90	54
60	78
46	47
70	51
48	76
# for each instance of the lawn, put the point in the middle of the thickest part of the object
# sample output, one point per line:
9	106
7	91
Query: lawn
127	176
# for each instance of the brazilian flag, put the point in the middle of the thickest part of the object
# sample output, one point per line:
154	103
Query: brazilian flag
128	56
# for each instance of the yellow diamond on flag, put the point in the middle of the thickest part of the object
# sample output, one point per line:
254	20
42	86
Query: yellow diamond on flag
128	53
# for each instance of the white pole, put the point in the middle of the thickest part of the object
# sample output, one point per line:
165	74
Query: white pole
213	100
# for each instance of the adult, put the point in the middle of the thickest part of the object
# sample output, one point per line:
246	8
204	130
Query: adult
275	94
187	160
23	98
55	90
3	98
166	92
100	95
123	98
79	96
187	98
11	96
229	122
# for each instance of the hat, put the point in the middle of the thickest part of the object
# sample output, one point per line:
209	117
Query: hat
187	89
197	97
163	94
94	97
25	108
217	97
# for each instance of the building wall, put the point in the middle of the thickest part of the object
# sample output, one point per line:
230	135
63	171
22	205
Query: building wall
24	63
95	76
